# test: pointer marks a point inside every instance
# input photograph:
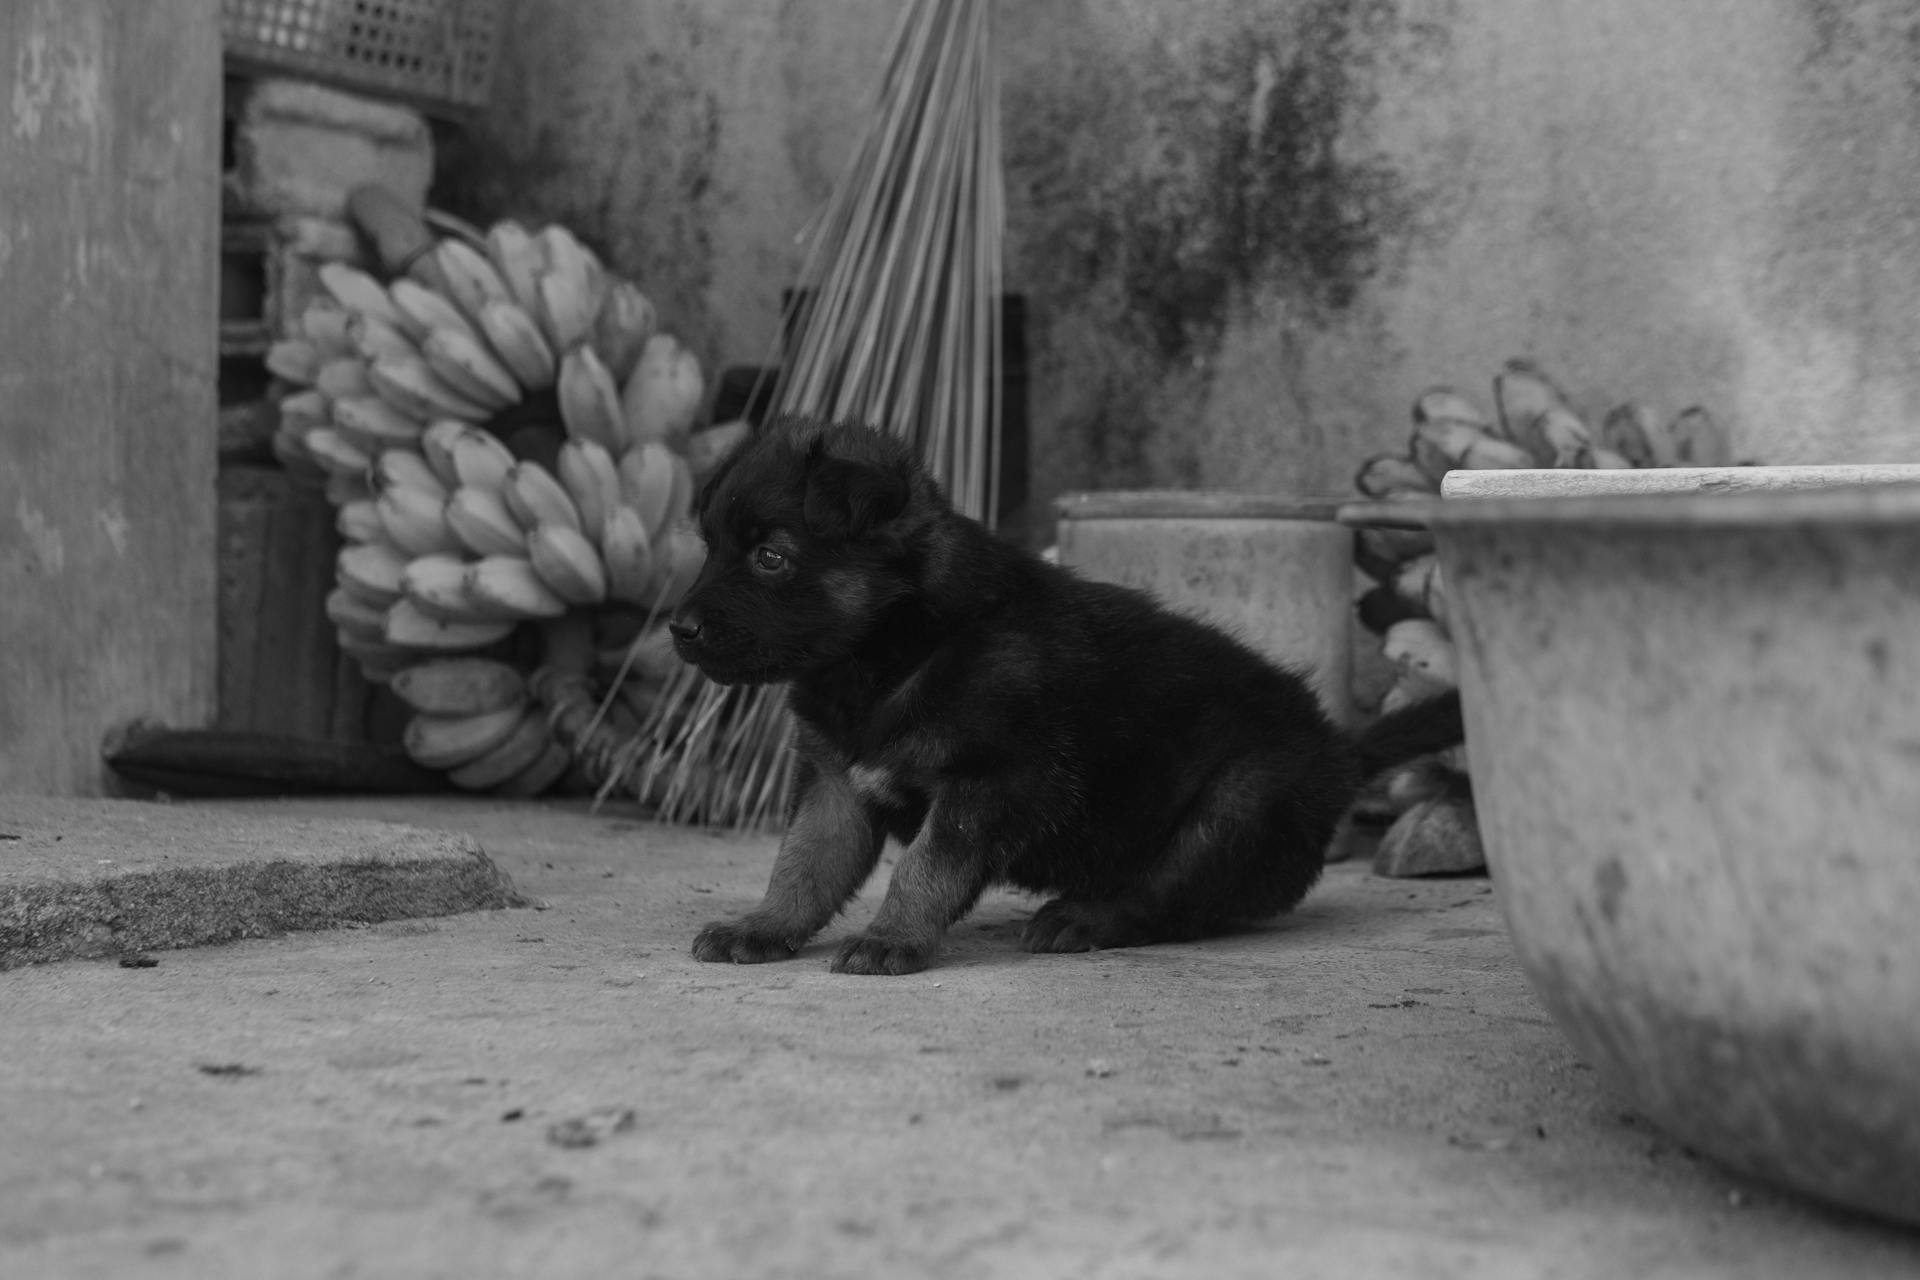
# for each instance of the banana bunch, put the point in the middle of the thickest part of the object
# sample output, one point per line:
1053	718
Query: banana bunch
451	539
1534	424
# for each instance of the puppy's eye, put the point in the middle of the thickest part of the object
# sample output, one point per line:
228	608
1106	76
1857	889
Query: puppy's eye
767	560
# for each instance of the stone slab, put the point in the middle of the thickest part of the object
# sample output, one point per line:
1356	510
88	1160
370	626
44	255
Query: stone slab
103	878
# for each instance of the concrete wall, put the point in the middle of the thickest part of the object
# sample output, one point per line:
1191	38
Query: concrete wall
1252	230
109	226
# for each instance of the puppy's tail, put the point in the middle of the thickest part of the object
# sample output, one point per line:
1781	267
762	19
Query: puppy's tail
1431	725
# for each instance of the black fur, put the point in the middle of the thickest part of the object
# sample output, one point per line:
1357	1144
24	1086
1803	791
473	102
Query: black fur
1006	720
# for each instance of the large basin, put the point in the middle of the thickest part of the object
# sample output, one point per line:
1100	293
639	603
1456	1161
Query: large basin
1694	731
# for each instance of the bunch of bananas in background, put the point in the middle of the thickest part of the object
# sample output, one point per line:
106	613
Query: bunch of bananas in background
514	447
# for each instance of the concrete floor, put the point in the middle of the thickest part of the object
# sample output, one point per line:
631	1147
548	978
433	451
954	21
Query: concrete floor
1365	1089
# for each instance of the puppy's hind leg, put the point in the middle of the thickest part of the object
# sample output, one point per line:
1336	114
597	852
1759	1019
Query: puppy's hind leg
831	846
1248	847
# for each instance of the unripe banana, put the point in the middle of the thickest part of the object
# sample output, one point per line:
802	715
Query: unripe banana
357	291
436	446
343	377
411	627
464	364
404	468
508	585
1444	404
1489	453
294	360
567	308
519	260
1629	430
522	347
1521	393
482	459
1439	444
1558	438
416	521
592	480
370	571
627	319
374	337
422	310
536	498
437	583
374	424
335	453
539	777
628	555
480	519
589	400
471	280
646	484
409	384
460	686
325	326
568	563
446	742
354	616
662	397
359	521
304	410
562	251
1388	475
518	751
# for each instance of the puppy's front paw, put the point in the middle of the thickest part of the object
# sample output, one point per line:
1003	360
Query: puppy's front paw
1067	924
739	942
868	954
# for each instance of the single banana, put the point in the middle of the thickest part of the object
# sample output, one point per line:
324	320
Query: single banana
590	400
465	364
662	396
627	319
1558	438
359	521
406	469
482	459
374	424
325	325
706	450
446	742
354	616
536	498
436	446
680	498
501	584
437	583
522	347
567	562
471	279
416	521
592	480
677	562
646	484
518	751
460	686
1490	453
562	251
1439	445
294	360
374	337
411	627
519	260
480	519
628	554
370	572
422	310
304	410
335	453
567	308
409	384
357	291
1522	392
1389	475
1444	404
1630	430
342	377
539	777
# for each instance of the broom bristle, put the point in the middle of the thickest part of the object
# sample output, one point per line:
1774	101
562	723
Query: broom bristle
897	325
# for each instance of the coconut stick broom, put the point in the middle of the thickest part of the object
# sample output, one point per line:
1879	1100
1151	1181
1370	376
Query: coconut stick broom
896	324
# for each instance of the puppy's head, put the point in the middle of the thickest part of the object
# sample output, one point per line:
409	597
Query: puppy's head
809	530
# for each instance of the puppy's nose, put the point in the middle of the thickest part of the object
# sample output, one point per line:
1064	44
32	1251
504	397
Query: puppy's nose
684	626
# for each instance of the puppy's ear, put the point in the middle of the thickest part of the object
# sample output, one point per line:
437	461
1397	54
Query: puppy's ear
847	497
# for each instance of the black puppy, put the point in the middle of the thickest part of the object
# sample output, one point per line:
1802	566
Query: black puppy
1006	720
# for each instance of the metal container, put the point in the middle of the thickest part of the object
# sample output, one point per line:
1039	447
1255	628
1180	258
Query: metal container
1276	572
1694	730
